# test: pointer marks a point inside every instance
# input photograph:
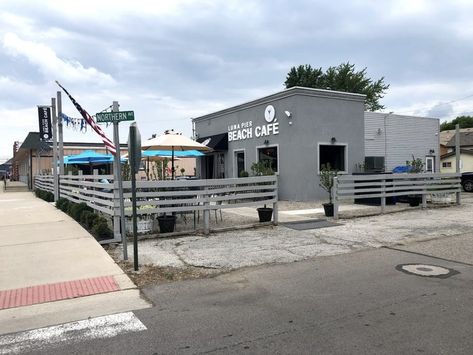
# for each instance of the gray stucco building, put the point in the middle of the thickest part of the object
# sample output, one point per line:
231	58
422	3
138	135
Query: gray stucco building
296	131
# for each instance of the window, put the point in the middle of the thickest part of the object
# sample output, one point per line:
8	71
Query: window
269	154
333	155
447	164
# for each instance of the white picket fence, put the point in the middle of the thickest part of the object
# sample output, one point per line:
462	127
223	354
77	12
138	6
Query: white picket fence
158	197
350	187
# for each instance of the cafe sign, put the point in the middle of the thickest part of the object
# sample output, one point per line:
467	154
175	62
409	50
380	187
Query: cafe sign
246	130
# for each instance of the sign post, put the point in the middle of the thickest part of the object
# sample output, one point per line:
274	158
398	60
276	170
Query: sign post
56	181
134	156
118	178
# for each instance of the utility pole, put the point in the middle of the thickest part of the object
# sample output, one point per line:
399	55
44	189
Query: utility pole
59	122
56	182
457	155
120	221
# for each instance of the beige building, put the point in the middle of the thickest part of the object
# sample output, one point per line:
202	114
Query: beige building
448	161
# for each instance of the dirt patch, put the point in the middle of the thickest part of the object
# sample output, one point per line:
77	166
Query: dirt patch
152	275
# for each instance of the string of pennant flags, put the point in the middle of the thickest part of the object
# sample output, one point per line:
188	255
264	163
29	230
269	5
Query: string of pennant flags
77	124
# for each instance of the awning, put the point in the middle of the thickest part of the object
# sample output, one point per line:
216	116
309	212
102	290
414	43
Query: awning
216	142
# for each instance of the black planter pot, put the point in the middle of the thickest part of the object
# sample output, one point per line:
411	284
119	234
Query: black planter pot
265	214
414	200
166	223
328	208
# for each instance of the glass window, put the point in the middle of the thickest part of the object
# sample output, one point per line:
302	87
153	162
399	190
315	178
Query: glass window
446	164
269	154
333	155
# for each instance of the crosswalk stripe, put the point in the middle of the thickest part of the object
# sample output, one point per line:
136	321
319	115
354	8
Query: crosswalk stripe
94	328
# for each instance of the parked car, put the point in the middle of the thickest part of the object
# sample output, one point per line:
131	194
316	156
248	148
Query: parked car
467	181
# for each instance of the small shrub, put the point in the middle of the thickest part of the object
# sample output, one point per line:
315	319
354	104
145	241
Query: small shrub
70	208
262	168
65	206
244	173
60	202
101	229
49	197
91	219
84	215
77	209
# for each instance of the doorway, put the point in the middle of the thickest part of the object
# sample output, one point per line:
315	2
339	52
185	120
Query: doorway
209	166
429	164
239	163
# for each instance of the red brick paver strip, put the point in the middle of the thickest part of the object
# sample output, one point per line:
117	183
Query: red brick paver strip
57	291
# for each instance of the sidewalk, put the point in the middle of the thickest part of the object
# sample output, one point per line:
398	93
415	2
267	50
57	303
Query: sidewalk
52	270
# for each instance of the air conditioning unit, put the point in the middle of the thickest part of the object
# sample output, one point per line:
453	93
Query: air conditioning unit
374	164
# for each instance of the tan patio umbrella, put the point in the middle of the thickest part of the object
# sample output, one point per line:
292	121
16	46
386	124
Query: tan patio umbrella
172	141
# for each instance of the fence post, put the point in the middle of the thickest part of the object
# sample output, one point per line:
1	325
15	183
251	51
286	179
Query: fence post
424	195
459	192
334	197
275	204
116	212
206	212
58	186
383	195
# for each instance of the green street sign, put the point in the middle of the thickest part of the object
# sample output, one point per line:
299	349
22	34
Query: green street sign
115	116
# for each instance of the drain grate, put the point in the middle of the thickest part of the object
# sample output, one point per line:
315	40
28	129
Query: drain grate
310	224
425	270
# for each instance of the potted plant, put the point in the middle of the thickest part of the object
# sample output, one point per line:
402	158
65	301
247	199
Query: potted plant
414	167
263	168
326	182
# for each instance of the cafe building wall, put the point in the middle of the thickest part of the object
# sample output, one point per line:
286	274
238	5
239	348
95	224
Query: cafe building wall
296	130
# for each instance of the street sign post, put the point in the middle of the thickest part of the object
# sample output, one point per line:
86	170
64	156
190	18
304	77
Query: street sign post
113	117
134	157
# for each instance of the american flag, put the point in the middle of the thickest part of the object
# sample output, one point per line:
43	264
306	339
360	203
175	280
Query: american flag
108	143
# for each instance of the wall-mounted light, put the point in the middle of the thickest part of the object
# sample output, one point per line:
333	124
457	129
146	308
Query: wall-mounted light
288	114
266	142
333	140
379	131
432	151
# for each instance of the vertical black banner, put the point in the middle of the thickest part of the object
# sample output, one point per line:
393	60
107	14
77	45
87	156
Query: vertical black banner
45	127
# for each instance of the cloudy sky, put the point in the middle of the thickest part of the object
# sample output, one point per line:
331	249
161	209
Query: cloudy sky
173	60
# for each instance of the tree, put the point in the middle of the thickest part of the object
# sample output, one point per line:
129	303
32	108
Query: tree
463	121
341	78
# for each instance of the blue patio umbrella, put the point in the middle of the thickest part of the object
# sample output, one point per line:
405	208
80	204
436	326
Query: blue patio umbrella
88	157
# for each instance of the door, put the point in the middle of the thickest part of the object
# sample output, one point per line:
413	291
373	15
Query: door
240	163
209	167
429	164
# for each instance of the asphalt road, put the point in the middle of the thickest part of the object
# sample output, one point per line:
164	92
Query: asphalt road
347	304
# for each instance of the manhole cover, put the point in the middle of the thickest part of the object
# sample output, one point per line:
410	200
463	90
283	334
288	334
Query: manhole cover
426	270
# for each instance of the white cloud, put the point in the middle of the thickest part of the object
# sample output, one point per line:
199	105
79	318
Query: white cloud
50	65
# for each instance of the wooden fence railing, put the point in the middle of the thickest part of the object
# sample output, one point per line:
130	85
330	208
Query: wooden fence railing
159	197
44	182
350	187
